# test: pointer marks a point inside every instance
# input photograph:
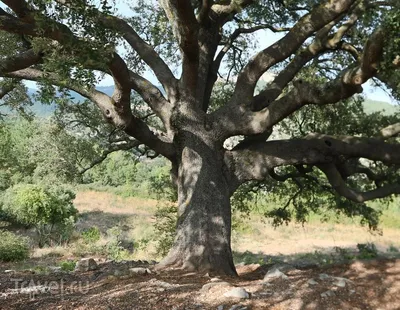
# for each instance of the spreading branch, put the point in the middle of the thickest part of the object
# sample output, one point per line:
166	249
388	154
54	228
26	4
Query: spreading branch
340	186
303	29
120	146
255	161
131	124
242	121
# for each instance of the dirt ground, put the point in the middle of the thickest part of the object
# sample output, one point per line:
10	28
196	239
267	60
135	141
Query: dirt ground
373	284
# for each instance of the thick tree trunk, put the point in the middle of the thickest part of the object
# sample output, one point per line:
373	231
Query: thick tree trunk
204	227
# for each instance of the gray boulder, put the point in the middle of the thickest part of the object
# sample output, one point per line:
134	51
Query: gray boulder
86	264
237	292
273	274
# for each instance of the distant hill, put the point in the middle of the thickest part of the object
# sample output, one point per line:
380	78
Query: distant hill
371	106
43	110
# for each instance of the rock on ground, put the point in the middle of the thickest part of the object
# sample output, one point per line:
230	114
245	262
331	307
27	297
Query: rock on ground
328	293
273	274
206	287
312	282
324	276
86	264
237	292
139	270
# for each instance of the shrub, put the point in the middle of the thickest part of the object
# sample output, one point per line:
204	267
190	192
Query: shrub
49	209
114	248
91	235
68	265
367	250
393	249
13	247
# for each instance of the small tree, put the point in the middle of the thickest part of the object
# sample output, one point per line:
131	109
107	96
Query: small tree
48	209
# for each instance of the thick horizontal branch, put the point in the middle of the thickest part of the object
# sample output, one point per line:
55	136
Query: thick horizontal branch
106	104
53	30
132	125
390	131
254	160
20	61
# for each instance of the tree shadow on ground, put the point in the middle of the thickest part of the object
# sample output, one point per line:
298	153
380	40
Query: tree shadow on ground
370	284
103	220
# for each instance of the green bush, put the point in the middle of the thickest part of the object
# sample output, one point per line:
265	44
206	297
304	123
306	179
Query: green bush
68	265
49	209
114	248
13	247
393	249
367	250
91	235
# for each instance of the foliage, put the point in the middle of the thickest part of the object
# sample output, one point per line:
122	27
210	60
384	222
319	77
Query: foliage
367	250
40	150
67	265
117	169
393	249
129	176
91	235
13	247
49	209
114	248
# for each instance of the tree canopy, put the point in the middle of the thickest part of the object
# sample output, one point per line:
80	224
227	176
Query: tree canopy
202	53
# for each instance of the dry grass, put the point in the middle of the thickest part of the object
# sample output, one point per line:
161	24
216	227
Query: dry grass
295	238
135	217
111	203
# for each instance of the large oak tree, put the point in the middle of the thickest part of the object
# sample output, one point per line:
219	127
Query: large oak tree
327	51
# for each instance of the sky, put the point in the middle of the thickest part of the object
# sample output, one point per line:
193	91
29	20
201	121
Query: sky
265	38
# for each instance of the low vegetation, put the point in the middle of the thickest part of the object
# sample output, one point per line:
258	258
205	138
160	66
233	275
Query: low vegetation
13	247
48	209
